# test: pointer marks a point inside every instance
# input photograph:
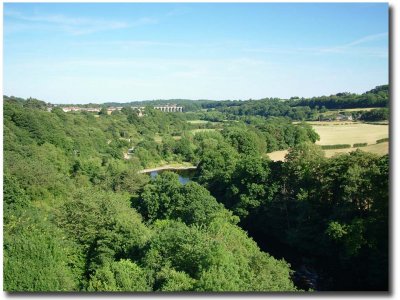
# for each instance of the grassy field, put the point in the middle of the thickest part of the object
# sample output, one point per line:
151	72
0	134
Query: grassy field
171	165
327	123
336	111
194	131
355	109
332	112
197	121
203	122
332	133
350	133
380	149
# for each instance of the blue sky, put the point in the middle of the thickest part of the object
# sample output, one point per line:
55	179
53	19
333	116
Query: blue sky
80	53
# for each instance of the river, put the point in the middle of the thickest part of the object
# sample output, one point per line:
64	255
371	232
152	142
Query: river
185	175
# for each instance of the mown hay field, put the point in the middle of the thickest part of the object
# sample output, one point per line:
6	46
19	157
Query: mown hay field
380	149
332	133
350	133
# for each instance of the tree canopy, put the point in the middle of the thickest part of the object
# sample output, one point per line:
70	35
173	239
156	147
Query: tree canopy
79	215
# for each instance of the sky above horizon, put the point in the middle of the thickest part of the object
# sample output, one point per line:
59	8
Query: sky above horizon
103	52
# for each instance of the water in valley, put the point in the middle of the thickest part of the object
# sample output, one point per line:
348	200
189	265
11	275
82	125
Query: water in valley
184	175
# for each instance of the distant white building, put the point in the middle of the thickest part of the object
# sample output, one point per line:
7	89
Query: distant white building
91	109
71	108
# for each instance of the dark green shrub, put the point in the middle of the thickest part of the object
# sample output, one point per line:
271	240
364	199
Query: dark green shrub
382	140
360	145
336	146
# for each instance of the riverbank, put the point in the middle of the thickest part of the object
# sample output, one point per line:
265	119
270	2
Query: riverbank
184	166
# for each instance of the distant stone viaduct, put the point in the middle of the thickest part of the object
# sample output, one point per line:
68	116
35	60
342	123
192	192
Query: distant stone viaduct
170	108
163	108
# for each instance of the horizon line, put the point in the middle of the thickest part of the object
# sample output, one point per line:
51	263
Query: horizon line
188	99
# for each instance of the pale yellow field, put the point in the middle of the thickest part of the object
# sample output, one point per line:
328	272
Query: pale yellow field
197	122
328	123
163	165
357	109
194	131
350	133
380	149
277	155
332	112
332	133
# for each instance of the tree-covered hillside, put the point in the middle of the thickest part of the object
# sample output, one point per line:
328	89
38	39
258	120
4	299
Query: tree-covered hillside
78	215
294	108
303	108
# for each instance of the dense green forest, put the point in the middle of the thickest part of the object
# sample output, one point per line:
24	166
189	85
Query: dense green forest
297	108
294	108
78	215
376	97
